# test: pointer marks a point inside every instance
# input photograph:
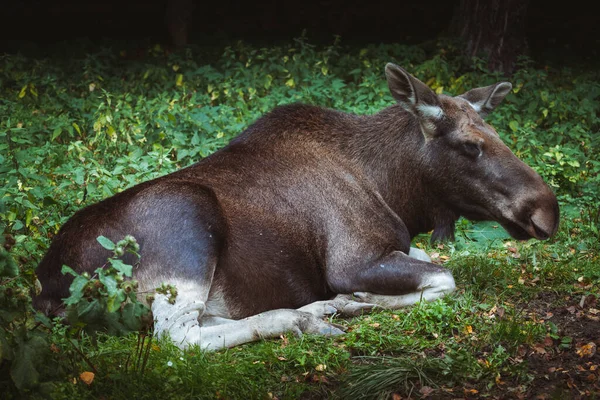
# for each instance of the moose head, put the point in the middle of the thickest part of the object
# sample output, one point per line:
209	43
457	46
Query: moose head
466	165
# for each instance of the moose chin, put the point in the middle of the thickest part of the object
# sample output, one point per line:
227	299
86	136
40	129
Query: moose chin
311	211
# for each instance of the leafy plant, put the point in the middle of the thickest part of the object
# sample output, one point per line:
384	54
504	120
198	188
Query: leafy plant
107	300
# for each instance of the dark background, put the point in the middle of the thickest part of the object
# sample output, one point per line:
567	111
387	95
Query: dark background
556	31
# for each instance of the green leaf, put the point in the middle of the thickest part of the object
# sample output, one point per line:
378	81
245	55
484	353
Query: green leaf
114	302
89	311
56	134
76	290
513	125
120	266
110	283
8	266
18	225
485	232
68	270
106	242
28	356
42	319
23	92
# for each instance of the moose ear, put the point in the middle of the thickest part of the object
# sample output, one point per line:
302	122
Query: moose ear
415	96
485	99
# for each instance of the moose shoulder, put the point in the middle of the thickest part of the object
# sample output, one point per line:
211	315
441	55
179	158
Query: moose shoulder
308	207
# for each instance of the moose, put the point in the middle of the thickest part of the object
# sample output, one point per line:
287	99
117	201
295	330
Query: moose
309	212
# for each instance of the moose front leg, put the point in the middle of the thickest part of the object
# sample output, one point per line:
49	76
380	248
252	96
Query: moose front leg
219	333
394	280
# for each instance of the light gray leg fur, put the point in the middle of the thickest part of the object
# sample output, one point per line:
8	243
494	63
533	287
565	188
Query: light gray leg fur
192	320
186	330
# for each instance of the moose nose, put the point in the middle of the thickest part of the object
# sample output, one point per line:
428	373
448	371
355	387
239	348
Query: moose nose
544	221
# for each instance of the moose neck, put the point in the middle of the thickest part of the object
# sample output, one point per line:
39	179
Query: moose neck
388	148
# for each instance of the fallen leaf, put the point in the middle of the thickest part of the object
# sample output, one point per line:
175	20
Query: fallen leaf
501	311
471	391
498	380
426	391
587	350
396	396
321	367
87	377
280	358
468	329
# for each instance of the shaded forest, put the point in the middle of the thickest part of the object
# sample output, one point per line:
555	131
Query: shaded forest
552	32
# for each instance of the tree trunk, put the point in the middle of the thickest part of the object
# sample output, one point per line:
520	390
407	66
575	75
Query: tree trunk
178	18
494	28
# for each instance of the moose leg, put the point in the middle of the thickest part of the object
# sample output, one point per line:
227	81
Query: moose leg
394	302
419	254
394	280
364	302
341	304
270	324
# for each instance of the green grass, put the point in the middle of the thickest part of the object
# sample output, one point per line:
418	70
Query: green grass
80	129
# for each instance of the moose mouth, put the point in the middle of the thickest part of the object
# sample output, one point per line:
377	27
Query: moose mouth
527	229
540	223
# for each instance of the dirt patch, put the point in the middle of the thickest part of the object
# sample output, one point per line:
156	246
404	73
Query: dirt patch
567	367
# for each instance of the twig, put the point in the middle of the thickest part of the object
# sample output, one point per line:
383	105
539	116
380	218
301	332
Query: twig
146	355
88	362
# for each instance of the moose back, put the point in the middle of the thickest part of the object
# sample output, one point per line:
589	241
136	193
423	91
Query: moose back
311	211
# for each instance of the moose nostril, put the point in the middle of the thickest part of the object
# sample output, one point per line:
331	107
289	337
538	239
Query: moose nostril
540	233
543	223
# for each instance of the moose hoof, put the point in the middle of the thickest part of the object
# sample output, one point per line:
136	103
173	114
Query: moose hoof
179	320
342	304
320	309
419	254
330	330
355	308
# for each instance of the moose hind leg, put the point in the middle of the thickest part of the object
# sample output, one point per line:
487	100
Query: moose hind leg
180	225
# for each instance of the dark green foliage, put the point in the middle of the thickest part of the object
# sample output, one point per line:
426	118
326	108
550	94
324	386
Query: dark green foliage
78	129
108	301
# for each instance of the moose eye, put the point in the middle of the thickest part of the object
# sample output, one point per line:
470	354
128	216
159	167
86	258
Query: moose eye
472	149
